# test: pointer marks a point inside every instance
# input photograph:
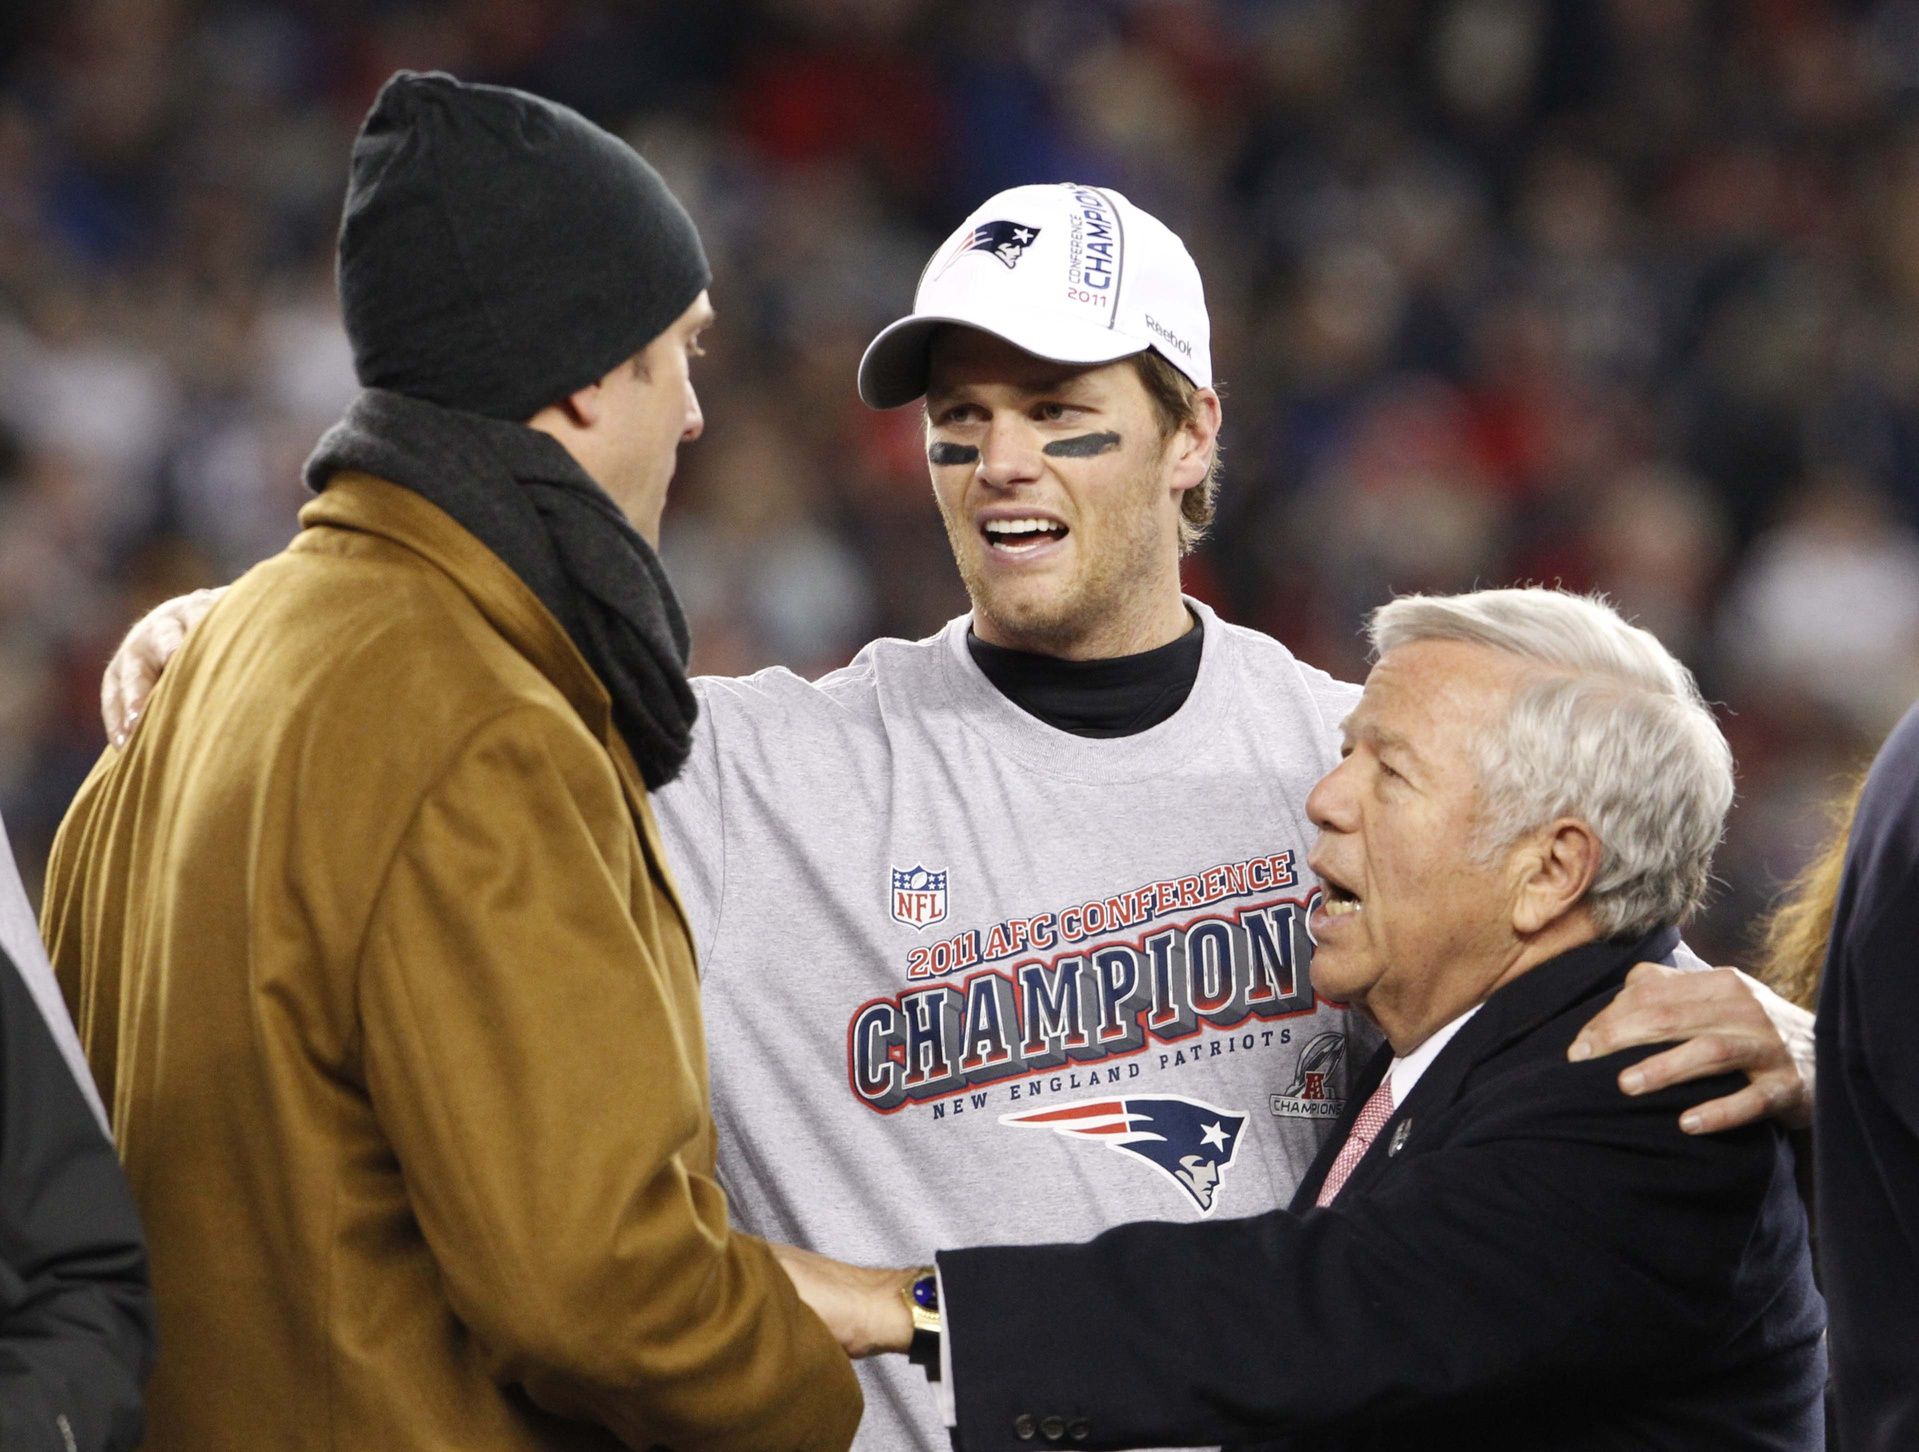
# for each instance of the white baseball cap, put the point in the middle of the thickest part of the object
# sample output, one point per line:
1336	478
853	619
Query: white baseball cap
1071	273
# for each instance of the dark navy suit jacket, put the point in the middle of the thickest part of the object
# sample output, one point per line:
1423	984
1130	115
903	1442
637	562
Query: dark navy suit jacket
1525	1259
1866	1134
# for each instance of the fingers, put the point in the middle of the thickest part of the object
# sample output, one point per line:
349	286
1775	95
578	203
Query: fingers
113	704
1755	1102
130	678
1776	1090
136	666
1699	1058
169	633
1717	1025
1659	1005
1637	1014
128	682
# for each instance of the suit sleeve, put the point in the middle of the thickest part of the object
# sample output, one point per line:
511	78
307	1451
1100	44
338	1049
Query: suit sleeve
540	1074
1571	1235
76	1319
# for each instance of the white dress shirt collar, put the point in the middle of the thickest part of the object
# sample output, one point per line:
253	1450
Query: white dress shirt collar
1405	1070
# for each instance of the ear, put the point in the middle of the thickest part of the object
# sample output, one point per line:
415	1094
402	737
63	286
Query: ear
583	406
1195	441
1556	869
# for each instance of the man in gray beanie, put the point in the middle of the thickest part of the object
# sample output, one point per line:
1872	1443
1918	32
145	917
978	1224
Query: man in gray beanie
372	944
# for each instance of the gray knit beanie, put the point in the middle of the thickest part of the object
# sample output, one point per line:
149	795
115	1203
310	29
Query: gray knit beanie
499	251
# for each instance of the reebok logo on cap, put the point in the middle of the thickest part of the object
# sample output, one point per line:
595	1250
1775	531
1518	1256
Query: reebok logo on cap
1086	277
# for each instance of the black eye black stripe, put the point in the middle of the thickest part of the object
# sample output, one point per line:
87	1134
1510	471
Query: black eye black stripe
1085	446
945	453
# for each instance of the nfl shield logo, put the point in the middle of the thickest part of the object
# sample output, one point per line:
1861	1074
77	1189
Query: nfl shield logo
919	896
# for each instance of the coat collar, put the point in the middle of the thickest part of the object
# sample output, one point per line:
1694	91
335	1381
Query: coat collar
1517	1009
361	502
368	505
1530	1000
377	507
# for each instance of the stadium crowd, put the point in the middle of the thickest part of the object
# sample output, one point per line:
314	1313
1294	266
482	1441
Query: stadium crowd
1620	295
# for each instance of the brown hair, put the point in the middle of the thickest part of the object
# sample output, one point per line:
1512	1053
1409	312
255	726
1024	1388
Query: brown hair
1172	393
1794	935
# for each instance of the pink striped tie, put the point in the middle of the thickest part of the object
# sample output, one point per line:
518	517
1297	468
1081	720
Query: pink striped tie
1372	1115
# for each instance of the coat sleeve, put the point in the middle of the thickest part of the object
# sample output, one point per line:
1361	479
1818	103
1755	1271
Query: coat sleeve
76	1319
540	1074
1571	1237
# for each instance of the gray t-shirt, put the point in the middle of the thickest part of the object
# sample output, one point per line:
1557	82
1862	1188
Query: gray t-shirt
971	979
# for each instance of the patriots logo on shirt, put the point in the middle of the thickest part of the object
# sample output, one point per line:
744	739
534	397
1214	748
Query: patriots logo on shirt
1007	241
1187	1140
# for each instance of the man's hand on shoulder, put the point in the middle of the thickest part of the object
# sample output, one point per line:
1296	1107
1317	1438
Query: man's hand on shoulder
1720	1021
136	666
860	1305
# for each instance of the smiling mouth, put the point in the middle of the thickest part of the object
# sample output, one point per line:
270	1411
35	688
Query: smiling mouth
1021	536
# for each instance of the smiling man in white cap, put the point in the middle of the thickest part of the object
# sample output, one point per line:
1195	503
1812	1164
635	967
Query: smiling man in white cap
1069	489
972	908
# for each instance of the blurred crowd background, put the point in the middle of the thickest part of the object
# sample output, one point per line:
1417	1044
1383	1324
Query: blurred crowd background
1621	294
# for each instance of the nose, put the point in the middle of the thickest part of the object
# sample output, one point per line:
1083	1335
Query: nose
694	423
1009	453
1329	805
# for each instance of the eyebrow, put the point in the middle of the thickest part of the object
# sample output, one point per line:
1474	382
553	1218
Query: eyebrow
1380	739
1067	384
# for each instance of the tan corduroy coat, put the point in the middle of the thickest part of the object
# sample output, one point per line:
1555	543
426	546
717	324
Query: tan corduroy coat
375	957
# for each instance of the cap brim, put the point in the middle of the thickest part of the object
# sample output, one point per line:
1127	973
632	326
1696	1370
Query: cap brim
894	369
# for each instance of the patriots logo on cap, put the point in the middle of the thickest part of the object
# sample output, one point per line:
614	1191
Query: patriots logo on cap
1187	1140
1007	241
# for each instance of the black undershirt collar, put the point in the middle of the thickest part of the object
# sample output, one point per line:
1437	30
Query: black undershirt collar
1118	697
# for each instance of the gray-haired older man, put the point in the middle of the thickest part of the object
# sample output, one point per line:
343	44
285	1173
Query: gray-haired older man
1497	1250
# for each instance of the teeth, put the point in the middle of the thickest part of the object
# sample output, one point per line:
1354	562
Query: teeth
1020	526
1339	907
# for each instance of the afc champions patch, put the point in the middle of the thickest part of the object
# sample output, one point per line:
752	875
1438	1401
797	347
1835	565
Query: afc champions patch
918	896
1005	241
1188	1141
1318	1081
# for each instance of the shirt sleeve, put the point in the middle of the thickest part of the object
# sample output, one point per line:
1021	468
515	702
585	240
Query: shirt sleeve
76	1318
540	1074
